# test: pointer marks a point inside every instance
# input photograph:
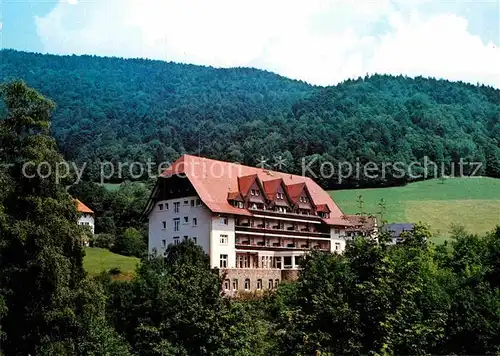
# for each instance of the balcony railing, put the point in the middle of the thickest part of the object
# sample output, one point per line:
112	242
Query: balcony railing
289	231
273	213
279	246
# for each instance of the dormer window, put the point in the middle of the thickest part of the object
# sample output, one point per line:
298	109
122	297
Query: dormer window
160	206
254	192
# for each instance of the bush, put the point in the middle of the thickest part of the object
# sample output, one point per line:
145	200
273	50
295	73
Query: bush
115	271
130	243
104	241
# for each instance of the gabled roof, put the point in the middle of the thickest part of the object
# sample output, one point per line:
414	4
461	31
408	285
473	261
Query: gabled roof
82	208
397	229
361	222
244	183
294	190
213	180
271	187
235	196
322	208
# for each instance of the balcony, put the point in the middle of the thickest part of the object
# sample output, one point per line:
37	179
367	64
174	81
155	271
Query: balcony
277	214
282	230
251	244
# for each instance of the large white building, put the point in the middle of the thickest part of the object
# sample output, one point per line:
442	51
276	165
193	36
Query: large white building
254	224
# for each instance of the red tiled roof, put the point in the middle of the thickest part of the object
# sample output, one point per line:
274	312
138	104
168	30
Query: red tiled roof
82	208
361	222
244	183
323	208
294	190
234	196
271	187
213	180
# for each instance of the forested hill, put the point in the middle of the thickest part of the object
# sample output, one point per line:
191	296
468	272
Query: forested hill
116	109
399	119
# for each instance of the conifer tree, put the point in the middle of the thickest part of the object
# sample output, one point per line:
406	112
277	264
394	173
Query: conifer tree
40	252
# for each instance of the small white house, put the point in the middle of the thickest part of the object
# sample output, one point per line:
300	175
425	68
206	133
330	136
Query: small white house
86	217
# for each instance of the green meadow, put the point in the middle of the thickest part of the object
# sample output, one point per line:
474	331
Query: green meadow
98	260
471	202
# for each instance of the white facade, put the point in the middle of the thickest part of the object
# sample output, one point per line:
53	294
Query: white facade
222	241
87	219
174	220
338	243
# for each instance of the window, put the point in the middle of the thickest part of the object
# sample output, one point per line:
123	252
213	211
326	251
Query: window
198	202
192	202
176	207
164	223
164	243
257	193
224	220
223	261
176	240
298	260
259	284
337	246
186	202
235	284
247	284
223	239
160	206
166	206
186	237
195	221
287	261
276	283
252	192
242	262
240	204
176	224
186	219
227	284
195	240
270	284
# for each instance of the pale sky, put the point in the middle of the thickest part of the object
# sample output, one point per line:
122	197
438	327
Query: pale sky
321	42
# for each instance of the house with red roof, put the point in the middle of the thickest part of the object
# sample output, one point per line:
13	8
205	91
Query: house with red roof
86	216
255	224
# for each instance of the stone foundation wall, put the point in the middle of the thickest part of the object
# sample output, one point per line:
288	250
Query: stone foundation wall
265	275
289	275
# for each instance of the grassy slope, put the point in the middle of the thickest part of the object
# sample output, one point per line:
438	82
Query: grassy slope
99	259
472	202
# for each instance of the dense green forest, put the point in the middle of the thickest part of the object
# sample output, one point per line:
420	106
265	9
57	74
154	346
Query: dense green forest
134	109
412	298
